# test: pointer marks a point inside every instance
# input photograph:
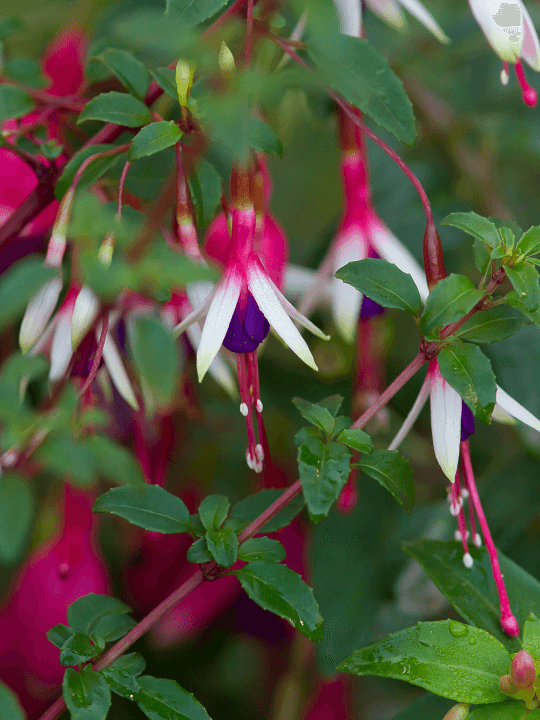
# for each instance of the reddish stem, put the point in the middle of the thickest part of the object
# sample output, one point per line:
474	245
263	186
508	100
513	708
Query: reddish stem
121	185
97	357
249	33
233	10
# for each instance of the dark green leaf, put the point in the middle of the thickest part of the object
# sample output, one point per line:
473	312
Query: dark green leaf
25	71
451	659
393	472
531	637
96	169
9	704
472	591
475	225
482	256
469	372
148	506
77	649
119	108
261	548
198	552
16	513
263	138
132	663
113	461
161	699
278	589
164	269
9	25
493	325
65	455
121	682
324	469
86	613
249	509
19	284
509	710
383	282
213	511
426	707
193	13
130	71
529	243
59	634
358	72
165	78
332	403
86	693
305	434
450	299
317	415
524	279
196	525
223	546
112	627
356	439
14	102
153	138
205	188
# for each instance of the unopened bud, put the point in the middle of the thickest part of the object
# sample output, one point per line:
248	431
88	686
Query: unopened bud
184	80
106	249
522	670
84	313
433	256
226	62
507	686
57	243
458	712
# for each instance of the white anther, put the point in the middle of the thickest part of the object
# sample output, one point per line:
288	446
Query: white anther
249	460
464	493
455	508
244	410
477	540
468	561
504	77
259	406
457	536
259	452
9	458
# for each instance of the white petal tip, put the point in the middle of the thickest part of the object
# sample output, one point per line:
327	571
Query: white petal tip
468	561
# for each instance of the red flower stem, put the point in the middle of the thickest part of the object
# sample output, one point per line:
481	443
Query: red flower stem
249	33
233	10
106	153
121	185
97	356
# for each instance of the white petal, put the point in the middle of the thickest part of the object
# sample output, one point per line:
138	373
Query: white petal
502	416
198	292
350	16
416	8
446	406
530	50
414	412
502	24
295	315
116	369
389	248
84	314
389	11
219	369
38	313
265	297
61	351
516	410
346	300
195	315
319	286
219	316
297	280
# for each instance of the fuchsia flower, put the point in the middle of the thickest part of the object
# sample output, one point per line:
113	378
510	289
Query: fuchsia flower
243	305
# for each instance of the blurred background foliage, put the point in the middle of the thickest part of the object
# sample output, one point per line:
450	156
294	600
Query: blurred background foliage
478	148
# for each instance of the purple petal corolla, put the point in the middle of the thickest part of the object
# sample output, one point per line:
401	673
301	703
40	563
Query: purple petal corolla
446	408
84	313
511	408
38	313
346	300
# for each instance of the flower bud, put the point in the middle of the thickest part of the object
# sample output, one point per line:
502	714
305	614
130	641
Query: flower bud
84	313
433	256
458	712
522	670
226	62
507	686
184	80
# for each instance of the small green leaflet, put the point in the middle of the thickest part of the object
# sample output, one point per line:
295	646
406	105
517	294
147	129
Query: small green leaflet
115	107
469	372
133	663
475	225
205	188
393	472
113	461
14	102
9	704
198	552
78	649
161	699
87	613
440	657
223	546
16	513
450	299
524	279
130	71
356	439
86	693
319	416
213	511
324	469
153	138
58	635
492	325
121	682
249	509
383	282
165	78
277	588
193	13
261	548
19	284
529	243
148	506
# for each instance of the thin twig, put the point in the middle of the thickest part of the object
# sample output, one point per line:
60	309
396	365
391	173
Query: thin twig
97	356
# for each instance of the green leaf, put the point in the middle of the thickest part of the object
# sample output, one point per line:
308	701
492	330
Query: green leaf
113	461
196	525
161	699
393	472
509	710
261	548
205	188
524	279
482	256
324	469
63	455
156	357
493	325
198	552
383	282
475	225
450	299
356	439
9	25
16	513
193	13
164	269
153	138
263	138
249	509
469	372
426	707
14	102
473	591
223	546
451	659
25	71
213	511
130	71
96	169
19	284
77	649
112	627
148	506
317	415
531	637
529	244
9	704
121	682
58	635
86	613
86	693
332	403
358	72
165	78
132	663
278	589
115	107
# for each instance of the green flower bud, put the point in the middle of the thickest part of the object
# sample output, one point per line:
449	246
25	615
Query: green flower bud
458	712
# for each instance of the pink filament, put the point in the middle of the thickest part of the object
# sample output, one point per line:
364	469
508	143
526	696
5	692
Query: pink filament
528	93
245	380
461	516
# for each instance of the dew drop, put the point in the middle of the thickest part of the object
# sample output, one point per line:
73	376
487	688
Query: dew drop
457	629
472	640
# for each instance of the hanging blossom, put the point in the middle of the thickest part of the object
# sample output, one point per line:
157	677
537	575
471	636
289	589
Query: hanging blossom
361	234
452	423
242	307
510	32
